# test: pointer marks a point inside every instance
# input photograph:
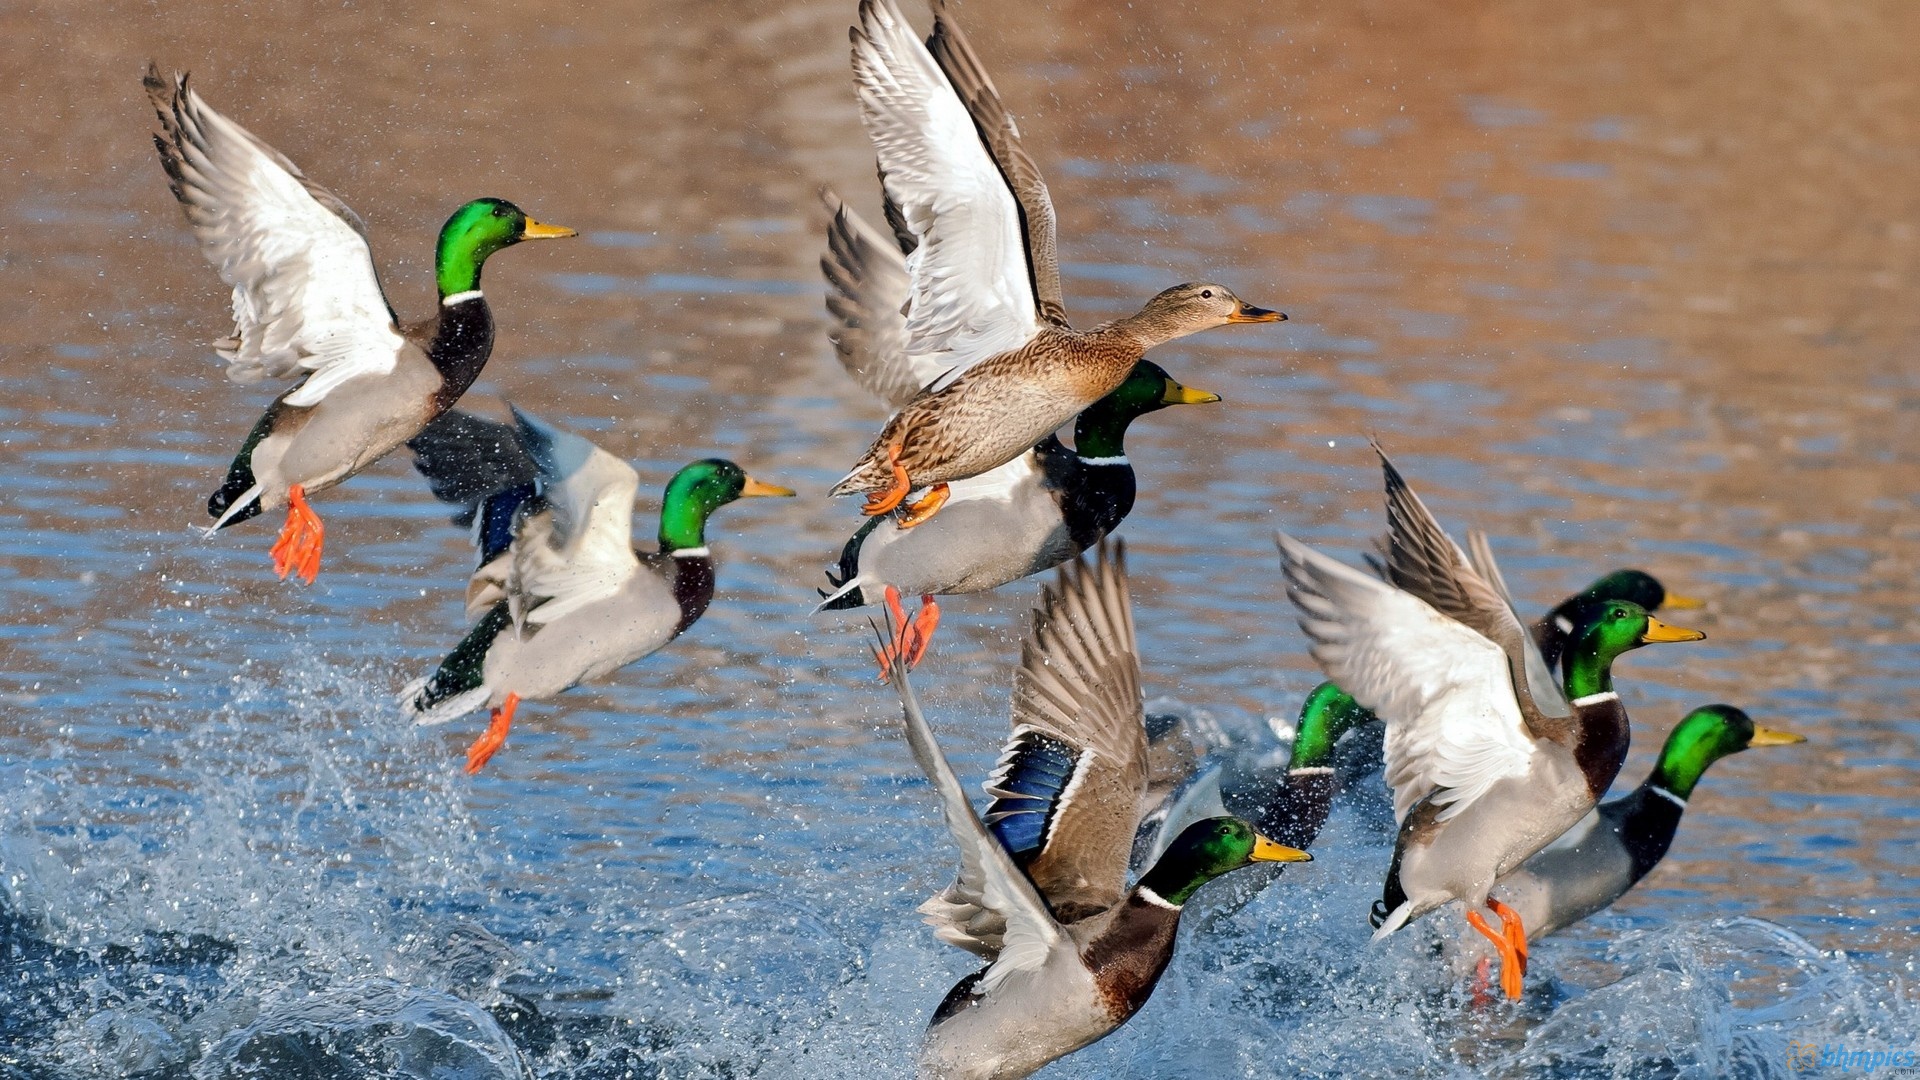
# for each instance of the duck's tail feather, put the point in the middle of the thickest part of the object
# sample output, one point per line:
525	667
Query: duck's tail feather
458	685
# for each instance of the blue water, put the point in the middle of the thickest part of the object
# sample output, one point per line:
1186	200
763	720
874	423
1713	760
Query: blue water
223	853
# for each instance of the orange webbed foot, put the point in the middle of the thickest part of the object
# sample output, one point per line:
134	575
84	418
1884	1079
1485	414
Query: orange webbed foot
929	505
882	501
1516	934
1512	965
910	638
495	736
297	550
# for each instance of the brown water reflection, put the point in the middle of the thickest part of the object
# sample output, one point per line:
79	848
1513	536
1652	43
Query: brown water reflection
1621	283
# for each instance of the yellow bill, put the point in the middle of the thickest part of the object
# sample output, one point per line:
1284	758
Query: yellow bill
1658	631
1770	737
1186	395
1265	850
755	488
537	231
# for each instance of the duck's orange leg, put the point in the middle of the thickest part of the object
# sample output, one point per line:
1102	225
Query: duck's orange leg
1481	981
301	538
495	736
886	499
1510	964
1516	934
910	639
929	505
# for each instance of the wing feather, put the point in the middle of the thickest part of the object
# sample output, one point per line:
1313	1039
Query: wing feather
579	548
867	294
306	296
1079	682
1454	727
971	291
989	881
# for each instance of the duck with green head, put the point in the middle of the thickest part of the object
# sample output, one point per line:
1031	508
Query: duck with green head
307	303
1637	586
1027	516
1489	758
562	594
1072	951
1623	839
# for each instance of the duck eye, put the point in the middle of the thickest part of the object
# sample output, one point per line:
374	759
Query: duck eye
1206	294
499	211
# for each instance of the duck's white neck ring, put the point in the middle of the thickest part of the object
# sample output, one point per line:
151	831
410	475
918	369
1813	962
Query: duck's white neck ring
1156	899
461	297
1118	459
689	553
1600	698
1668	795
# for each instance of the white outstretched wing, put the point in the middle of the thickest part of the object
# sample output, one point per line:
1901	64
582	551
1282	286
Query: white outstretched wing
1446	693
971	290
306	297
579	549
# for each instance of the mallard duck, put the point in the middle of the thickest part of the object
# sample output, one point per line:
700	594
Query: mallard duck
562	594
984	303
1029	515
1622	840
1042	896
1636	585
1489	759
307	302
1289	803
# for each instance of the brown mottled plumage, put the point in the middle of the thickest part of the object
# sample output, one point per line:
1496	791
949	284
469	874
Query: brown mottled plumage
999	408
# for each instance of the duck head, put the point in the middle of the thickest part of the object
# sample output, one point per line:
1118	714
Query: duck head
699	489
1191	308
1603	632
1706	735
1328	713
1100	429
1205	850
476	231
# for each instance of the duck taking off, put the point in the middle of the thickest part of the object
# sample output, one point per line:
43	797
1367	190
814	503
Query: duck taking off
1029	515
1489	758
984	307
1072	951
307	302
562	594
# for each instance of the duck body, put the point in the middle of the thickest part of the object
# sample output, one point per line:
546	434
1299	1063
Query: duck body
359	422
995	411
1080	997
1048	507
650	609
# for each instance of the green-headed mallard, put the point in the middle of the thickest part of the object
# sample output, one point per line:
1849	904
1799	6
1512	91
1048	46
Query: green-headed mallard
1636	585
1489	758
1029	515
1042	895
1622	840
307	302
984	284
562	594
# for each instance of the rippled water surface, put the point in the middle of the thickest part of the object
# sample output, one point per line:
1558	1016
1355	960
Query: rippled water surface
1625	285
